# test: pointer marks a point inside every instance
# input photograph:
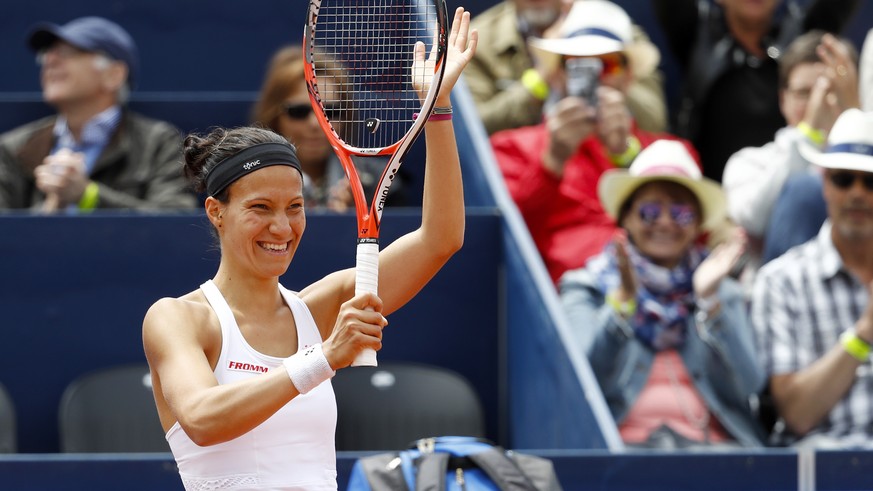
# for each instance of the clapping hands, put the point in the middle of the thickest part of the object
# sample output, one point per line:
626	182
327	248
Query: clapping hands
719	264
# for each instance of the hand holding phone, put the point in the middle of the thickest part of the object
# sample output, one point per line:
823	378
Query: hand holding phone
583	77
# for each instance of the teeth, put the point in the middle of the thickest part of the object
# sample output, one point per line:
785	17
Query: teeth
275	247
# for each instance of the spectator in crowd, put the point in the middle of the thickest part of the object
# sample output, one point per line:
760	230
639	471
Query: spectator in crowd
95	152
551	169
664	327
773	192
812	308
867	72
510	91
283	106
727	52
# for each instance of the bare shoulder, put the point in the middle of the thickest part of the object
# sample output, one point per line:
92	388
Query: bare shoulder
185	307
189	313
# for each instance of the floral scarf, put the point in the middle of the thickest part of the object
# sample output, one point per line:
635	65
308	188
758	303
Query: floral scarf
664	296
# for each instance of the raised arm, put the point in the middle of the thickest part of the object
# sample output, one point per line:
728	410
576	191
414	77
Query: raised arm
411	261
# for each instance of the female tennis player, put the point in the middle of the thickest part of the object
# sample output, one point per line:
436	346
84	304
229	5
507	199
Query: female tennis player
241	366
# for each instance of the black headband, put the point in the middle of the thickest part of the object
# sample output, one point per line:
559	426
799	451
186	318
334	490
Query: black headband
247	161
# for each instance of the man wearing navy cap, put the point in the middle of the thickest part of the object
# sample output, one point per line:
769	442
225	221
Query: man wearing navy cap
94	153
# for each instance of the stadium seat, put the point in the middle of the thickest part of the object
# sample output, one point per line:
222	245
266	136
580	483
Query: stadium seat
111	410
7	422
389	406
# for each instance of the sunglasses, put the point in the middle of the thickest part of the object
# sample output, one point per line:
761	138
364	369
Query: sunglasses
302	110
682	215
845	180
613	63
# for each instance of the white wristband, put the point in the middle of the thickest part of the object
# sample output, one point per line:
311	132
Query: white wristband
308	368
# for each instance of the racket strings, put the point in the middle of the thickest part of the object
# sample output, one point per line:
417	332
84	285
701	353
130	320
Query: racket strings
362	59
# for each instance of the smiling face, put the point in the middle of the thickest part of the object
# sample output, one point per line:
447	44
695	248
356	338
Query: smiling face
663	220
262	222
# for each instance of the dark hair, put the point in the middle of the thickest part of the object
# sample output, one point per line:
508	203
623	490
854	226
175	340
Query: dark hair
803	50
202	153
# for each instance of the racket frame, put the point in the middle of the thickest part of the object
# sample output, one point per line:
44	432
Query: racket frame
369	215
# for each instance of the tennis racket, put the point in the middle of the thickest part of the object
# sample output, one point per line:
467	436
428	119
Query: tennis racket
359	56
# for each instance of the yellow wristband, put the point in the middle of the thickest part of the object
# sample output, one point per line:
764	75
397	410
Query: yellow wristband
812	134
535	84
625	158
625	309
855	346
90	197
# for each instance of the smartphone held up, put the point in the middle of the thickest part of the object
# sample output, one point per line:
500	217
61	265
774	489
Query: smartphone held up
583	77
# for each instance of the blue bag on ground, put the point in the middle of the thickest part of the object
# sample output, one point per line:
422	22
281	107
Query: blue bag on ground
453	463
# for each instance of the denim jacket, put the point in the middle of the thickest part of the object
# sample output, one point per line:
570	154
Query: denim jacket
718	353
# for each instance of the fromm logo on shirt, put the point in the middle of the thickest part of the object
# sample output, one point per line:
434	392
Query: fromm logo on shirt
239	366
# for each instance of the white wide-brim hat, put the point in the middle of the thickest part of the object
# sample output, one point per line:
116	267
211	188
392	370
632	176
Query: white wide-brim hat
593	28
663	160
850	143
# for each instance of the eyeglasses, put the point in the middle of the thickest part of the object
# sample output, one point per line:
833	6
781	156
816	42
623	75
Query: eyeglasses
301	111
845	180
682	215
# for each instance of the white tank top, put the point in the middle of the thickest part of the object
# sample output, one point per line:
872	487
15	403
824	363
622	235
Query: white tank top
292	450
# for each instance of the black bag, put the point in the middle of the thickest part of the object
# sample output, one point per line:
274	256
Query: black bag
453	463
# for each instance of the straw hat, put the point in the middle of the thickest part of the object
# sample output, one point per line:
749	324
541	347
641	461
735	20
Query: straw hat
850	143
597	27
663	160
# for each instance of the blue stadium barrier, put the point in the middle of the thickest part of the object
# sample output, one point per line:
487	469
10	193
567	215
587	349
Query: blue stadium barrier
550	386
577	470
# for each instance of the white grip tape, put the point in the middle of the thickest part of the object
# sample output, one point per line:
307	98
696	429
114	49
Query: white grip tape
366	281
308	368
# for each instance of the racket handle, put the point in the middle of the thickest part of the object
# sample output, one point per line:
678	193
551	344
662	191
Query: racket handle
366	281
